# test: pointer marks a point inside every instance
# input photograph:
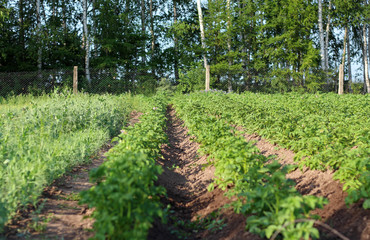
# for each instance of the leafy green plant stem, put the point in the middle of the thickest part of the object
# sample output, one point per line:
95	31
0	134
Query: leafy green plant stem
324	225
125	198
263	192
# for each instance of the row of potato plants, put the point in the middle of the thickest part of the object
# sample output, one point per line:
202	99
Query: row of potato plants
326	131
42	139
270	201
125	198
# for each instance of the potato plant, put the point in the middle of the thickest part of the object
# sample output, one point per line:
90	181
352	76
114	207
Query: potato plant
125	199
326	131
264	194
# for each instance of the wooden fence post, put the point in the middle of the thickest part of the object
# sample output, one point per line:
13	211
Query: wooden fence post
341	79
75	80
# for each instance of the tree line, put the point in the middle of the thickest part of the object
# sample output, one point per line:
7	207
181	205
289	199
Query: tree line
236	45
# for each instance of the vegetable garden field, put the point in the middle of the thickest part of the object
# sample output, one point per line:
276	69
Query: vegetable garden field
187	169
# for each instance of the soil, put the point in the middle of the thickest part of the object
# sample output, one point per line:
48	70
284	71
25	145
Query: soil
193	212
185	180
353	222
58	215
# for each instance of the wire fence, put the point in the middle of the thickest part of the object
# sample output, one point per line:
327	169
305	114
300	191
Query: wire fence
114	81
118	81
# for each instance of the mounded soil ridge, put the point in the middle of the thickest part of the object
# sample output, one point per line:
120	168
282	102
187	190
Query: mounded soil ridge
186	179
59	216
186	176
353	221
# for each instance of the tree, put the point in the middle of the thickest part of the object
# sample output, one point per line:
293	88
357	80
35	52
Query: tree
322	43
366	65
86	42
152	34
185	52
175	52
229	31
4	12
341	66
38	33
346	13
201	26
258	45
143	27
327	39
349	86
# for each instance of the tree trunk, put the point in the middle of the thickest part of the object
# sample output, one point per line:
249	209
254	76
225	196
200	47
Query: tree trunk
87	45
363	72
176	61
53	43
229	81
94	32
152	34
341	69
349	86
244	50
39	50
53	6
322	43
21	29
366	64
327	46
368	32
368	41
206	66
64	23
152	24
143	29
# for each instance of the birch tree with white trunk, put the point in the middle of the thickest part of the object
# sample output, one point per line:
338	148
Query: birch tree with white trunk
86	42
39	50
341	68
229	81
368	41
202	35
152	34
176	61
349	88
327	41
322	41
366	63
143	28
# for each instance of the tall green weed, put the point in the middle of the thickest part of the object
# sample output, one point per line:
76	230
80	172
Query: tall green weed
43	138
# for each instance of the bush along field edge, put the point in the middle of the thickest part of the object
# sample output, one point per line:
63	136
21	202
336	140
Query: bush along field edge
269	200
125	198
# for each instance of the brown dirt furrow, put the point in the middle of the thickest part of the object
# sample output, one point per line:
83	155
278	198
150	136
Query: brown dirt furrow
353	221
59	216
186	179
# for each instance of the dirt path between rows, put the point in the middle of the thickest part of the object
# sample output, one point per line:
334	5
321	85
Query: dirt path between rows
353	222
59	216
186	180
195	213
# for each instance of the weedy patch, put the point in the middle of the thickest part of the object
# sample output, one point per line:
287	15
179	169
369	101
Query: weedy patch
67	206
185	229
39	224
34	151
70	197
173	167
